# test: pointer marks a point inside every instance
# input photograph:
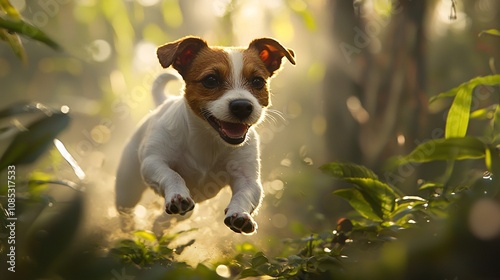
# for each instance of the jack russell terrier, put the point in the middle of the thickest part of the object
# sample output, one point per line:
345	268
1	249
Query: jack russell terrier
192	146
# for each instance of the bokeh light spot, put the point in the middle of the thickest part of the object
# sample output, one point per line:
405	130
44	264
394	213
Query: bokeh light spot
356	109
223	271
484	219
148	3
100	50
145	56
279	220
140	211
277	185
319	125
64	109
112	212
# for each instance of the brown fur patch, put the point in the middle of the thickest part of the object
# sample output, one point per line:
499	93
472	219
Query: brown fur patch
209	61
215	61
253	67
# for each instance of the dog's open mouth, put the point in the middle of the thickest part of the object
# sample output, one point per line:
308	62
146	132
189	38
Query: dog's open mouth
232	133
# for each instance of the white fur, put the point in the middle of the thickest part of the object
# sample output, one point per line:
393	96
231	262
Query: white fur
236	59
179	154
220	107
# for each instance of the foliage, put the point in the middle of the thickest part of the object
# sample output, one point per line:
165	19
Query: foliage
390	222
389	235
30	143
30	140
387	222
494	32
152	256
12	25
146	249
57	221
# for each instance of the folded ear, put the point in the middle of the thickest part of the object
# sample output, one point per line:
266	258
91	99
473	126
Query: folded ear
271	52
180	53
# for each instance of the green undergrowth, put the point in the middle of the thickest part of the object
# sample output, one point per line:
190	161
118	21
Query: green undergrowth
444	228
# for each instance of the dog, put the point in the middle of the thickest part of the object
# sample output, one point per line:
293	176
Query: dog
191	146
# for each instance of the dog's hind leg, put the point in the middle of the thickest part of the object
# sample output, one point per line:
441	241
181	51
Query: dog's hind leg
129	185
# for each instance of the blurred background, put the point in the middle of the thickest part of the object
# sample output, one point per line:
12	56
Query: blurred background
359	93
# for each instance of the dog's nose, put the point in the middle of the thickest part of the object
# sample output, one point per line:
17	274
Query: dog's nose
241	108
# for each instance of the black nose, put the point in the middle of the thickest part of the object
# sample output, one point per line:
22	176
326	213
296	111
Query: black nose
241	108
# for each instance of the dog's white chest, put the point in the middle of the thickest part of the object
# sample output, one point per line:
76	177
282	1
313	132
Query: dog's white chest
204	177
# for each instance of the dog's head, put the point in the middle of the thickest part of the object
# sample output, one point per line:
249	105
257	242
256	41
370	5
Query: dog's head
226	87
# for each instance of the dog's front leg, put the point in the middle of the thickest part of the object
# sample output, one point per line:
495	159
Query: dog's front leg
247	197
168	183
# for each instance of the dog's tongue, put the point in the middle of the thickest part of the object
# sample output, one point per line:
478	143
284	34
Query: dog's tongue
234	130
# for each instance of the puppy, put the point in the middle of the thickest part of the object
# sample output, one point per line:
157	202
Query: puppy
192	146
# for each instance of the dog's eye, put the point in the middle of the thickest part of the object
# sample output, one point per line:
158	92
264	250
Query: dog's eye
258	83
210	82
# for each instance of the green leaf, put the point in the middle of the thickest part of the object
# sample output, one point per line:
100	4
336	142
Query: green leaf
496	124
259	259
407	205
458	116
15	109
347	170
15	44
379	195
445	149
246	247
146	235
7	7
487	113
250	272
431	185
28	145
53	231
359	203
494	32
492	160
21	27
23	107
490	80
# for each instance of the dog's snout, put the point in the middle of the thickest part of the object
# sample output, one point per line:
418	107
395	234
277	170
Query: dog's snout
241	108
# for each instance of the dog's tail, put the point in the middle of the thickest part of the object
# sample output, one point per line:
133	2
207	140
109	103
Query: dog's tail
159	87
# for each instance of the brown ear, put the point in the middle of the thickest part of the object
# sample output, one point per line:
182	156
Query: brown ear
180	53
271	52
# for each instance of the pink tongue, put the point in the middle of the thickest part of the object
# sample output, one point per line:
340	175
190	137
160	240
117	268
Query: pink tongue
234	130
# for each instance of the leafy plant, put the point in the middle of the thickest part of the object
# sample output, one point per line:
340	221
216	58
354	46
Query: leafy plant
146	249
12	25
373	199
388	223
316	255
31	141
47	227
494	32
390	234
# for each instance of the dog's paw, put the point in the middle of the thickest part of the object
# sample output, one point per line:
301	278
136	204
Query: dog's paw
179	205
241	223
